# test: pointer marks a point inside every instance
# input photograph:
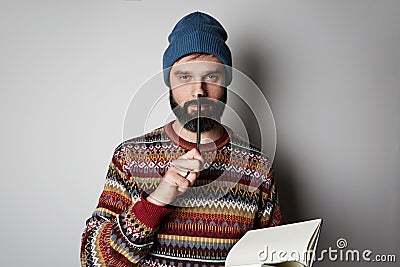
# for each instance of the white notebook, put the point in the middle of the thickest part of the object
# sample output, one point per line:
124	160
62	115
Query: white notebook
286	245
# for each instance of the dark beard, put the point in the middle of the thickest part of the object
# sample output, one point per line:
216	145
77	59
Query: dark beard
208	119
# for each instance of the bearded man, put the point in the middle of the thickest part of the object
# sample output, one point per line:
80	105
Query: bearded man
168	202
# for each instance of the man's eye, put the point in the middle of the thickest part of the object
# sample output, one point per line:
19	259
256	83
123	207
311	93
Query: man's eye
212	77
184	77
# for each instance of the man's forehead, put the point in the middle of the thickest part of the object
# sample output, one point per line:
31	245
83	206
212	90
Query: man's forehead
198	57
197	67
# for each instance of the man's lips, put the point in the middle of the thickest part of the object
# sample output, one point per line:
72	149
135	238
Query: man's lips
194	107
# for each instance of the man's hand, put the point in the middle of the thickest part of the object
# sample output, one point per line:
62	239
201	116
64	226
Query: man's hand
181	174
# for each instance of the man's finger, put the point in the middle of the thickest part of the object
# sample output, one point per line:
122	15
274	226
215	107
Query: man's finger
193	154
191	178
187	164
177	179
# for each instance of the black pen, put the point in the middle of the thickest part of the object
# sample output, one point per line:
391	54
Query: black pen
198	122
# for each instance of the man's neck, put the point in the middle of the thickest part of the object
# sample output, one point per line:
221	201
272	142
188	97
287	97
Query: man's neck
206	137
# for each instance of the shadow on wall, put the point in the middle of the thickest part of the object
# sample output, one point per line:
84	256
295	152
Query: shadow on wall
286	182
253	61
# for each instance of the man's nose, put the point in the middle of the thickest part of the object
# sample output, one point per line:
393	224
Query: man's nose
198	88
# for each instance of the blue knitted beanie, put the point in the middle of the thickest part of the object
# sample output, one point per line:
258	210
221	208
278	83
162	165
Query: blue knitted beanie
197	33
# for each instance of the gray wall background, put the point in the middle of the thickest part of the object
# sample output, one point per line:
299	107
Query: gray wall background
329	69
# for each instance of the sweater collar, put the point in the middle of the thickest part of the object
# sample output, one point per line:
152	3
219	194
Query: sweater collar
175	138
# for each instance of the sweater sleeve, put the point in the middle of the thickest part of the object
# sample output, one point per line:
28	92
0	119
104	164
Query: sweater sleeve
269	213
121	230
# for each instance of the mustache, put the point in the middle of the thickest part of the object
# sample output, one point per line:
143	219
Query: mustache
204	100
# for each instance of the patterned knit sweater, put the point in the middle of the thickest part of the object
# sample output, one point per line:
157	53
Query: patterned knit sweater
233	194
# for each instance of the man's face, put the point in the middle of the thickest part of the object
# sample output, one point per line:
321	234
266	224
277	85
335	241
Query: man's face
194	75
